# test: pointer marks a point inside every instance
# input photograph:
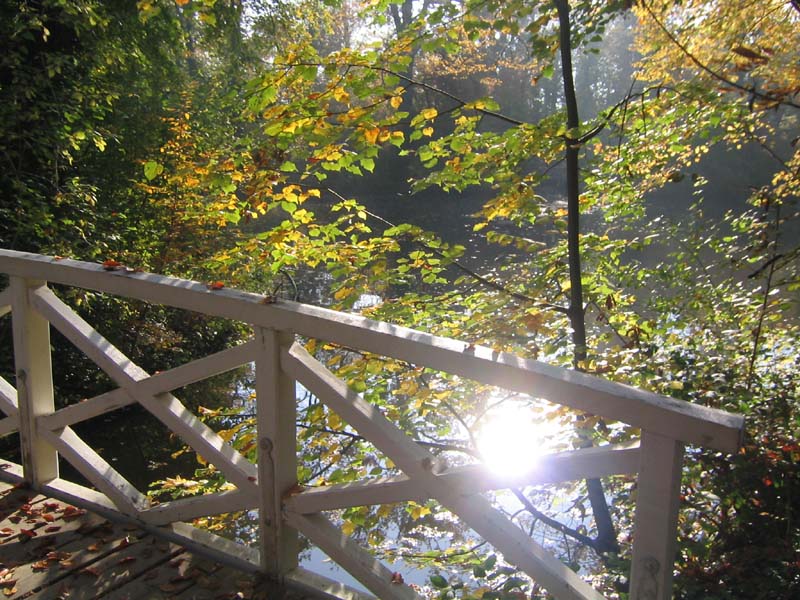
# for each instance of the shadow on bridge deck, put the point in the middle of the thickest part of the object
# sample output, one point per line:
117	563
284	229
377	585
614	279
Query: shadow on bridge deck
53	550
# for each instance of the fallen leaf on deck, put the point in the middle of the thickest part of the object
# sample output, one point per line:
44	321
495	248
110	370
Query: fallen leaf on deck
90	571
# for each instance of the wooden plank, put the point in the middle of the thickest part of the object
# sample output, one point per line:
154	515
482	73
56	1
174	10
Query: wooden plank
8	398
11	473
165	381
34	381
8	426
303	580
8	405
53	523
70	554
352	557
101	474
78	560
663	415
165	407
88	409
168	580
5	301
419	465
153	385
196	540
656	521
188	509
276	415
126	563
552	468
366	418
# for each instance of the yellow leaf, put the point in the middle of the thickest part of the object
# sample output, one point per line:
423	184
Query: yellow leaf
427	131
341	95
396	101
429	113
342	293
348	528
334	421
676	385
371	135
419	511
533	321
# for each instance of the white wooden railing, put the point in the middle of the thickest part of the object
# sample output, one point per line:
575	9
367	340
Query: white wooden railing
666	424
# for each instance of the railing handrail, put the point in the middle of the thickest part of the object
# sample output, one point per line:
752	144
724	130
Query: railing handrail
669	417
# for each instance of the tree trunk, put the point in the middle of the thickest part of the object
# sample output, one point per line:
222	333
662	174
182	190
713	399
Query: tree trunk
606	534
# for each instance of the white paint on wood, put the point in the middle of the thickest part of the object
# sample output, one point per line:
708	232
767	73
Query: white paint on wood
188	509
352	557
87	409
8	426
8	398
5	301
667	416
303	578
165	407
157	383
656	522
419	465
92	466
31	333
11	472
584	463
367	419
276	414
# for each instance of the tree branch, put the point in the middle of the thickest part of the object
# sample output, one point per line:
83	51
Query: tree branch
555	524
718	76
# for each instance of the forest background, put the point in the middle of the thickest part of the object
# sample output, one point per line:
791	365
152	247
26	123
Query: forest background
606	185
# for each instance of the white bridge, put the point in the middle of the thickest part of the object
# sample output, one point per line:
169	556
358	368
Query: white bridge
269	485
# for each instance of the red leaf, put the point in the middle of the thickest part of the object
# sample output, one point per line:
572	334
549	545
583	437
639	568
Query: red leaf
397	578
91	571
111	265
6	531
217	285
49	517
29	533
52	528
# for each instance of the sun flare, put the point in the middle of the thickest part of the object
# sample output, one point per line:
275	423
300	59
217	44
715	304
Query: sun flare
513	438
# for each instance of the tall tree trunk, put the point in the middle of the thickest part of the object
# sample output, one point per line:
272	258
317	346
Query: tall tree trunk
606	534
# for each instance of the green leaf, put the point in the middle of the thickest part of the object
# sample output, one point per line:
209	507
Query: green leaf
439	582
152	169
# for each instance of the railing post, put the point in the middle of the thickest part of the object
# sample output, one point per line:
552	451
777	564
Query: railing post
655	527
277	460
34	373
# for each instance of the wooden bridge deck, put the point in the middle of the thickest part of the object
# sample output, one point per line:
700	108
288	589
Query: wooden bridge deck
53	550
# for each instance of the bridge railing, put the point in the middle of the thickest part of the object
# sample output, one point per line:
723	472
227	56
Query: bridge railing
270	485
